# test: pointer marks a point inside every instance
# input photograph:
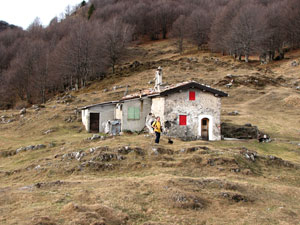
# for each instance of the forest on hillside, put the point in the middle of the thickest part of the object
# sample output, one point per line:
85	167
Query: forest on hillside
91	38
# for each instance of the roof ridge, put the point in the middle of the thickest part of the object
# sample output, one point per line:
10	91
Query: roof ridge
167	90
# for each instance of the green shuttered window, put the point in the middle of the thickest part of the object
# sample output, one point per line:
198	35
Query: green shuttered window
133	113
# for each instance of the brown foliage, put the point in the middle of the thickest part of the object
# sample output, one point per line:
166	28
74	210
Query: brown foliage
39	62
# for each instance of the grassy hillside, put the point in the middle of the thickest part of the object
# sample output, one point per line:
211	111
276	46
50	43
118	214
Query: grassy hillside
127	180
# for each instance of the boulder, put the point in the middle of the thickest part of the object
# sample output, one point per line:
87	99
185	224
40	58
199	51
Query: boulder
35	107
30	147
39	146
38	167
248	154
229	130
74	155
23	111
20	150
234	113
95	137
79	155
48	131
135	64
125	150
10	121
229	85
295	63
161	151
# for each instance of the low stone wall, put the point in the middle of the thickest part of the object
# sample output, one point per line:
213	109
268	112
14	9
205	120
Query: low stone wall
247	131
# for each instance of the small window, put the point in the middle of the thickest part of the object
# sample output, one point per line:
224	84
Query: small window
192	96
182	120
204	122
133	113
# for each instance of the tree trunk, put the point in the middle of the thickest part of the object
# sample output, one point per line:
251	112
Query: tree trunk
164	33
281	53
246	58
71	81
77	84
180	45
43	95
113	68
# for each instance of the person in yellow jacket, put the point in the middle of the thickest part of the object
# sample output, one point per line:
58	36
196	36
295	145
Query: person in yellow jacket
157	129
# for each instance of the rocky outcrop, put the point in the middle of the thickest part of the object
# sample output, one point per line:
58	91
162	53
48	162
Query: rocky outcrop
30	147
246	131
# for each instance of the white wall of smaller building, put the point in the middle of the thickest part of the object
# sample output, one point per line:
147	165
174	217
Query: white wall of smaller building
158	107
144	104
119	111
107	112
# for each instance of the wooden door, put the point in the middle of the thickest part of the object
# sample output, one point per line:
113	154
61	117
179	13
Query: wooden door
94	122
204	129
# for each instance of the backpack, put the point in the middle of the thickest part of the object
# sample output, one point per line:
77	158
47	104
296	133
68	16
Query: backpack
152	124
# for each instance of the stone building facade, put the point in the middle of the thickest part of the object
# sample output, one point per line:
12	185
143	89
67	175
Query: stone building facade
187	110
190	118
190	111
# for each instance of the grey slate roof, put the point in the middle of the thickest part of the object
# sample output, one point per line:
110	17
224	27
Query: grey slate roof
165	91
102	103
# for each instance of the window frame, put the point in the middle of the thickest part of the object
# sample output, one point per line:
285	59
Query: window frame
192	97
133	113
180	120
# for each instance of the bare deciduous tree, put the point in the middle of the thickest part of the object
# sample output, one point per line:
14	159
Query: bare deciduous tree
72	49
116	35
292	22
248	30
165	15
179	31
199	24
221	25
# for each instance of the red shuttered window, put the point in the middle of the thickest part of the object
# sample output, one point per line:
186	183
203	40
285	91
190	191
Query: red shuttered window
192	96
182	120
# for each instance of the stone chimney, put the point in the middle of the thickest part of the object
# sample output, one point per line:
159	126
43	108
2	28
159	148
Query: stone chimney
158	79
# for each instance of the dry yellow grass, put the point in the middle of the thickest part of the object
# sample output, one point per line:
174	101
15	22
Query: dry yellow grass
215	184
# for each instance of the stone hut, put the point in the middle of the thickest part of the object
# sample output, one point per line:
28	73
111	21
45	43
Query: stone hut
188	110
94	117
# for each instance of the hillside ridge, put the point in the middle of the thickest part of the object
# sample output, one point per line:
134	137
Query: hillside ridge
70	176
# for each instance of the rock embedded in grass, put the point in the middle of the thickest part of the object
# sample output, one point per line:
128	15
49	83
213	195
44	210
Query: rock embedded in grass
251	155
234	113
96	137
294	63
30	147
23	111
161	151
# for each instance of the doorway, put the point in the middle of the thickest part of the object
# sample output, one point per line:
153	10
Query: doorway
205	129
94	122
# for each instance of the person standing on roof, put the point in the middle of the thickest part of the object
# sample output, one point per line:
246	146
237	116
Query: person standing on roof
157	129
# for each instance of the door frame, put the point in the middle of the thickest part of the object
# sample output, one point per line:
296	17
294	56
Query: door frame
91	120
207	131
210	126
